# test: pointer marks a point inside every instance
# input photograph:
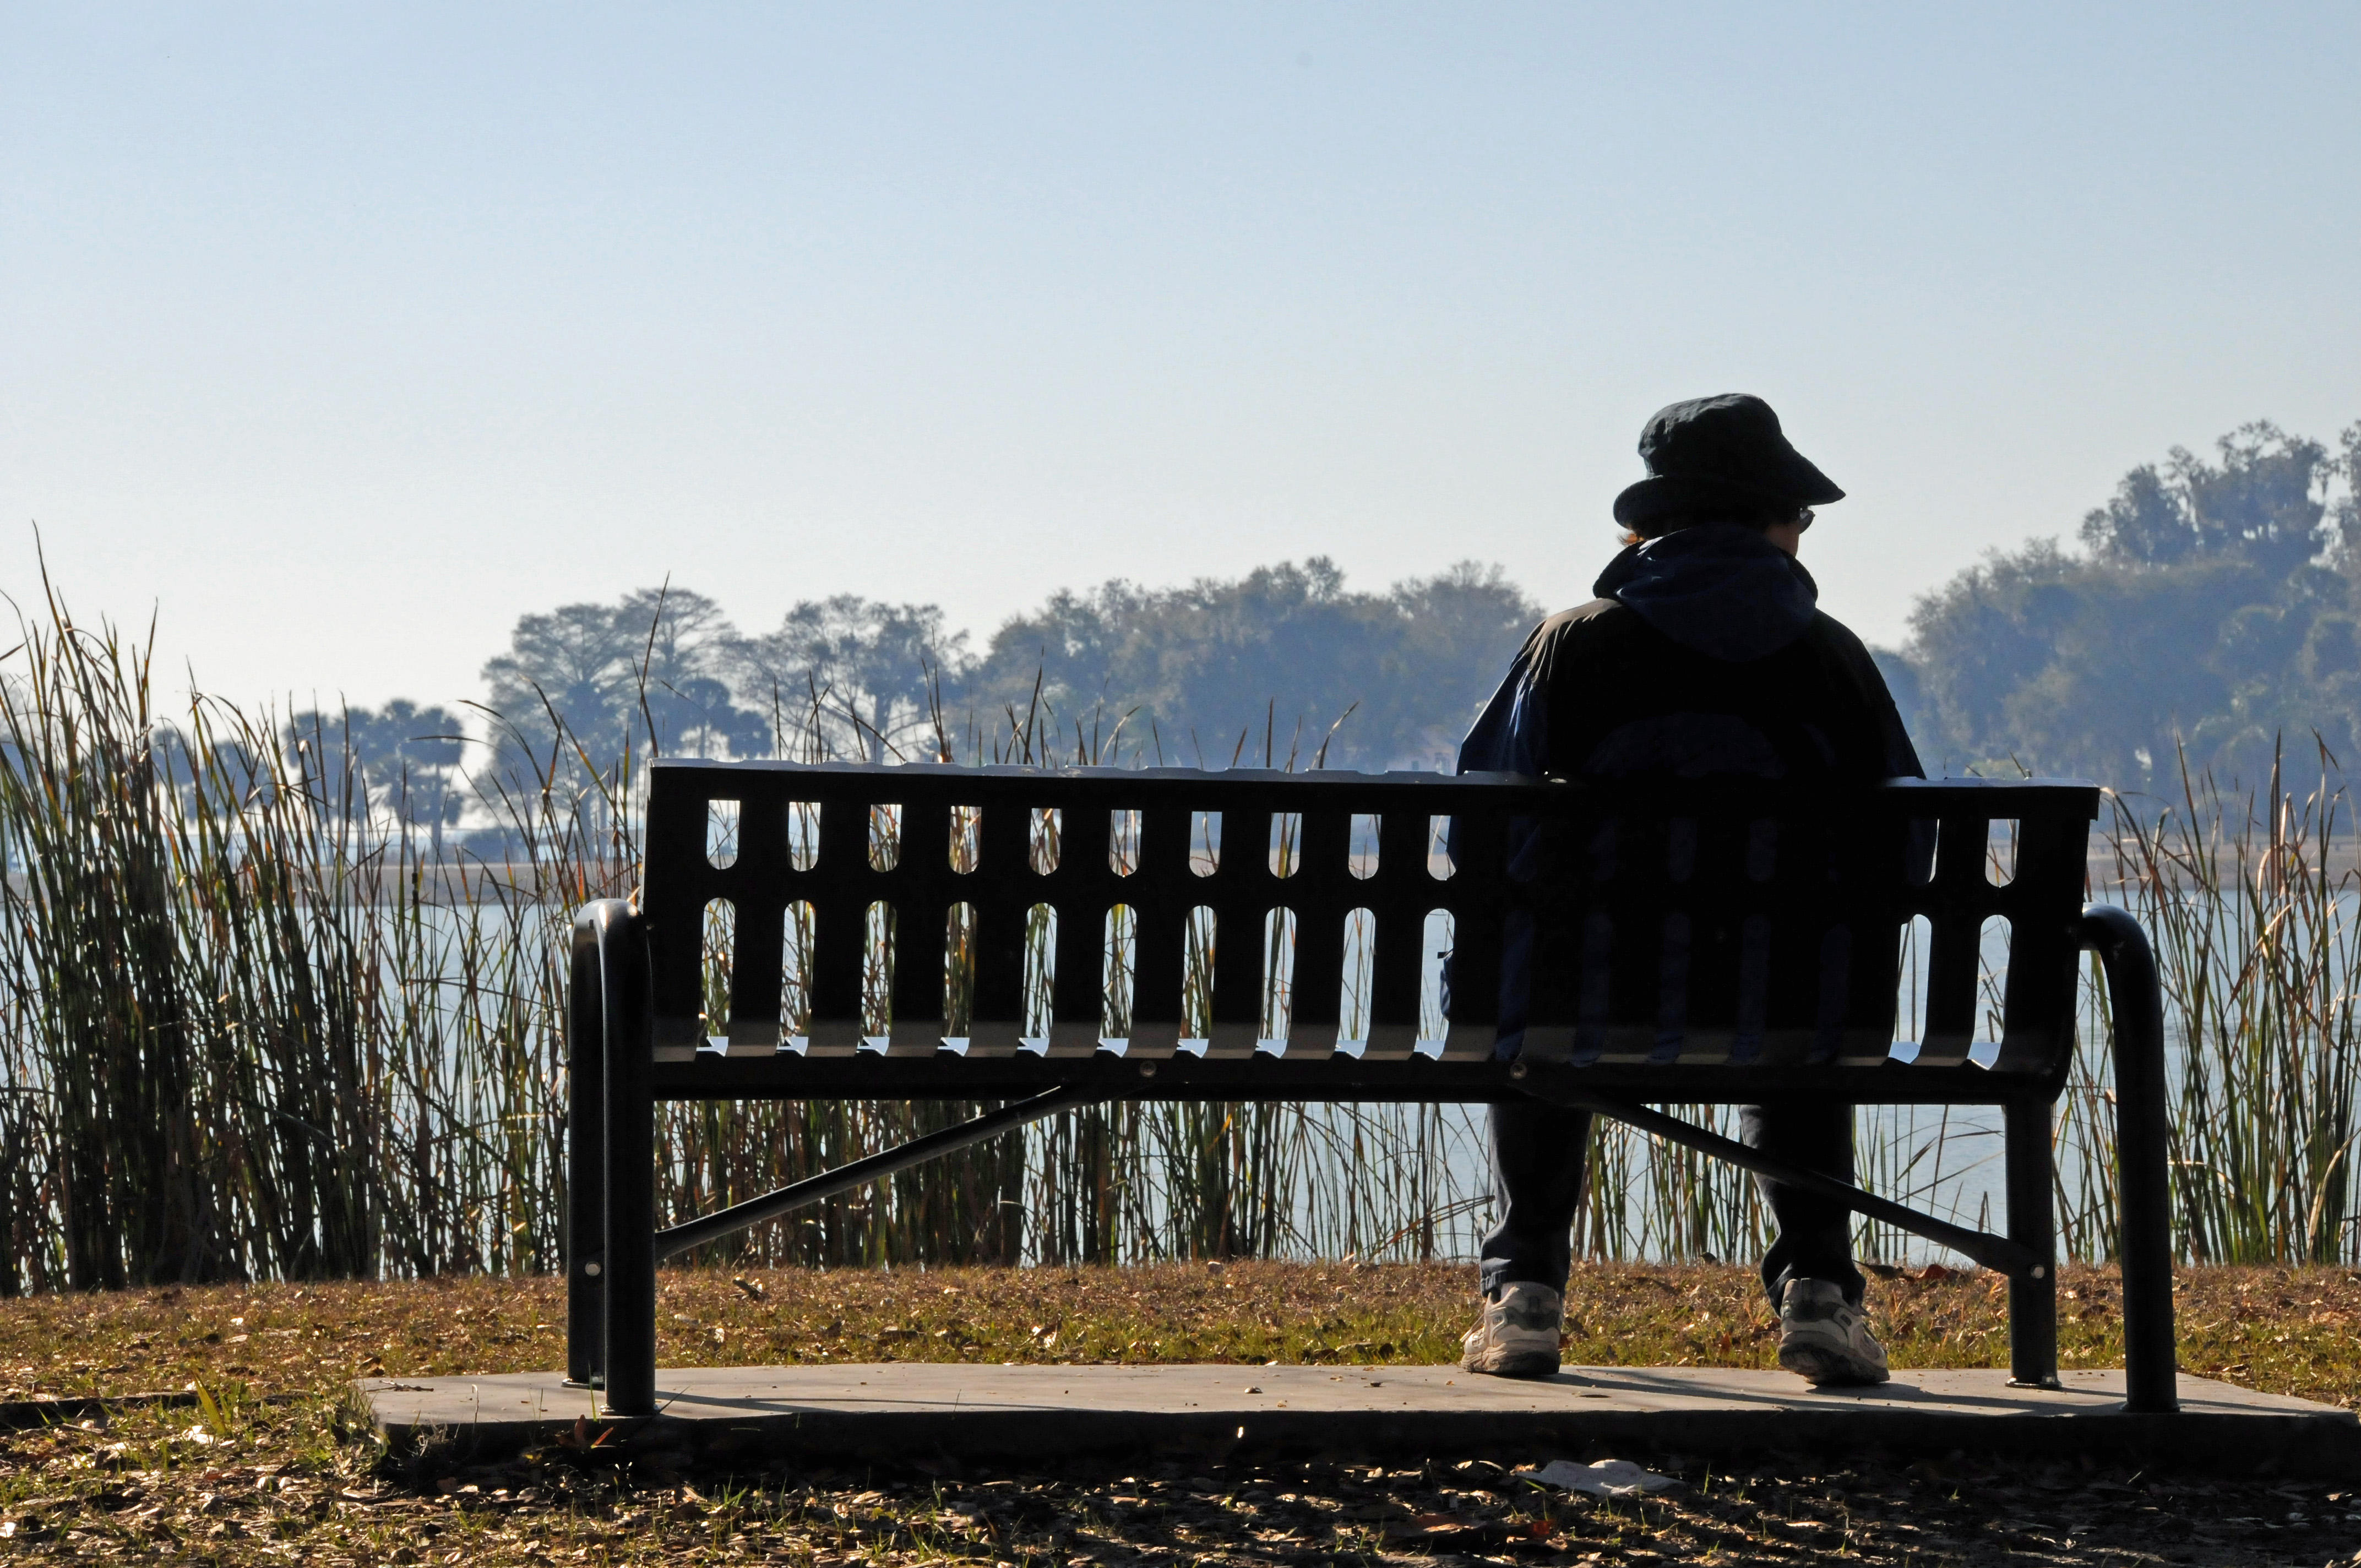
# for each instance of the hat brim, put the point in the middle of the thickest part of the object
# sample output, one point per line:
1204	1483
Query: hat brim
1659	495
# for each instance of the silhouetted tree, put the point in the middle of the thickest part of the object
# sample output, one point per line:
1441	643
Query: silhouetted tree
651	667
401	759
850	676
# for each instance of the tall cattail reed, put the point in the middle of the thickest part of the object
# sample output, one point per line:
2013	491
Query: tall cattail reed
2251	900
258	1025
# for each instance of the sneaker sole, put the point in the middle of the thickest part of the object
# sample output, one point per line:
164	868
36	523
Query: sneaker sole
1528	1366
1822	1366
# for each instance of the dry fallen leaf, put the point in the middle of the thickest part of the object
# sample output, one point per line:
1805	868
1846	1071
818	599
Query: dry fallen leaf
1437	1529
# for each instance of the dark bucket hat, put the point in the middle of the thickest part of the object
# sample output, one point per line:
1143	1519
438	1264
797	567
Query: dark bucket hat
1720	452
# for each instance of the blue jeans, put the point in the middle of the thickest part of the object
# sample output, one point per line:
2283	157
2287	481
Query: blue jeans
1538	1154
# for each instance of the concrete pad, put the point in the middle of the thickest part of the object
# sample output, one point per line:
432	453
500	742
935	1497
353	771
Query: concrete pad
1008	1415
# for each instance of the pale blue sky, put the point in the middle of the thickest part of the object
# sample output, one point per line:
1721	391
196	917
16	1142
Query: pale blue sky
341	335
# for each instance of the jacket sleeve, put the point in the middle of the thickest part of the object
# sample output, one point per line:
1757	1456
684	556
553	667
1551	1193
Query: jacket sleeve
1511	735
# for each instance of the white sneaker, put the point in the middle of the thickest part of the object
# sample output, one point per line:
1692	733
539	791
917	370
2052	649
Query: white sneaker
1824	1339
1520	1334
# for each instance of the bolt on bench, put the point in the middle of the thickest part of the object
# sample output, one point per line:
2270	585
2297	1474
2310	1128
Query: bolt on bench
1056	936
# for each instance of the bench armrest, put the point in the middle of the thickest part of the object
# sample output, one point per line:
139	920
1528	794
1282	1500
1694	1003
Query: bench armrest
2143	1133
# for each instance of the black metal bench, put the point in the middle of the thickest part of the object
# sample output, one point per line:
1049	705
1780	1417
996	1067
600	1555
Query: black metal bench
1682	944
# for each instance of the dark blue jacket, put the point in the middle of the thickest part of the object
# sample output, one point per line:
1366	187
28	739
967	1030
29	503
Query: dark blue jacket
1705	654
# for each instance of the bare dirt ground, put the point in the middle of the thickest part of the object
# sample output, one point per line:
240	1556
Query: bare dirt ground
230	1439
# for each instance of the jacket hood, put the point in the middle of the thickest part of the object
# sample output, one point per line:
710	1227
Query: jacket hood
1718	588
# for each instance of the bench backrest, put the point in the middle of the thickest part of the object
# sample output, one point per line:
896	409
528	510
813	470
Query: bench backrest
1705	924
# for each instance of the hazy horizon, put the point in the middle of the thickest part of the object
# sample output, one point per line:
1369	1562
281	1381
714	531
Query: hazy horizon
341	339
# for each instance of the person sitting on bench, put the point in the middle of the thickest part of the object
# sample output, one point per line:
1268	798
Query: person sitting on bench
1704	655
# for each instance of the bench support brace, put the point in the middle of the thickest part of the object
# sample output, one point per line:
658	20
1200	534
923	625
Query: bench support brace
844	1178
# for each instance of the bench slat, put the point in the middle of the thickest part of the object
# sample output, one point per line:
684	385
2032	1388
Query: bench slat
1318	891
1399	898
1003	838
1158	900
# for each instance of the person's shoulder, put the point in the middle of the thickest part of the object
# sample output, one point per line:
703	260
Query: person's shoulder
1835	636
1600	616
1829	628
1580	632
1839	648
1602	635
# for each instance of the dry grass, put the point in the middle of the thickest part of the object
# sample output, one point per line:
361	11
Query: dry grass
260	1462
2285	1330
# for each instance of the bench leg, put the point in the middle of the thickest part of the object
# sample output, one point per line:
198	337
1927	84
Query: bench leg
586	1157
2143	1152
2031	1224
629	1273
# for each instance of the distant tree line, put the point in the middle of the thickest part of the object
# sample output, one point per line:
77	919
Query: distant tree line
2210	611
1284	662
